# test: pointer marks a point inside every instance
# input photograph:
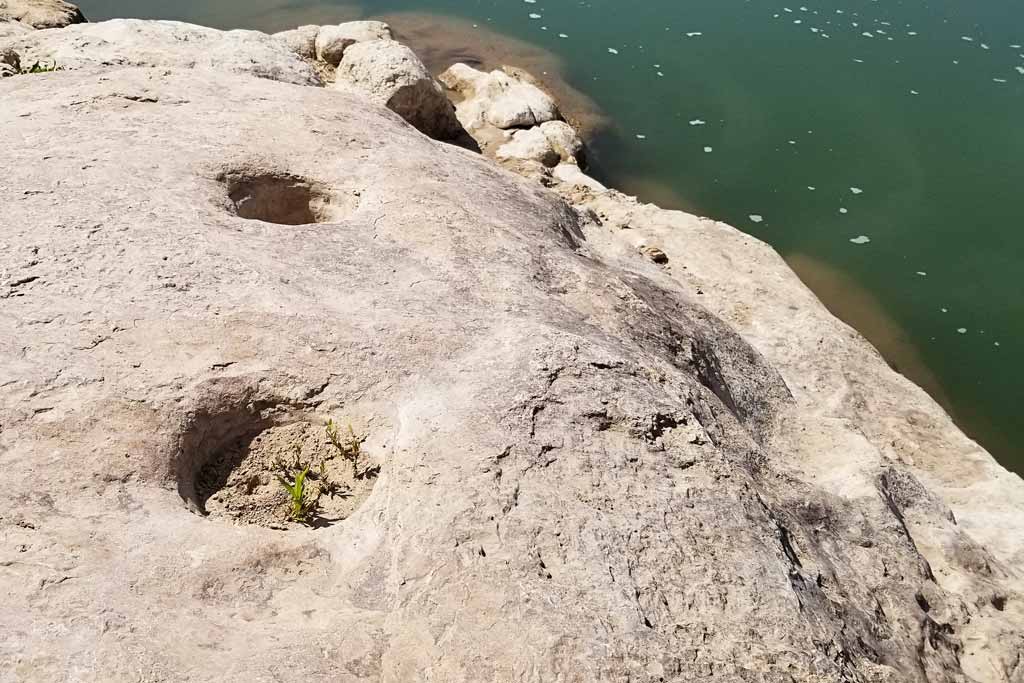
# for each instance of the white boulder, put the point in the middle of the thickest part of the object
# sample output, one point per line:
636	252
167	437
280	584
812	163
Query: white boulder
563	140
498	99
40	13
332	41
301	40
571	175
530	144
391	74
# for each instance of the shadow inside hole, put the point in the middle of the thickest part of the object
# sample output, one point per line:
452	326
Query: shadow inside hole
214	474
277	198
212	449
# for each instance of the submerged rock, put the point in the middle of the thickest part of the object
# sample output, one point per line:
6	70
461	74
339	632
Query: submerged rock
392	75
591	467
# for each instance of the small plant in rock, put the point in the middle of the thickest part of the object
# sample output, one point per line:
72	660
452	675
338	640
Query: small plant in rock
294	465
348	445
302	506
42	68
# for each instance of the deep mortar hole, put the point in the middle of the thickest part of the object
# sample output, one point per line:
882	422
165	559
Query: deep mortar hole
229	464
278	198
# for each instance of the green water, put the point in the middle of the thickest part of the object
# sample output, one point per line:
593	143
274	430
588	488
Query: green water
926	125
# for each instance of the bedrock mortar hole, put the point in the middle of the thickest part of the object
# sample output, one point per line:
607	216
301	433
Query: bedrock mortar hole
230	462
277	198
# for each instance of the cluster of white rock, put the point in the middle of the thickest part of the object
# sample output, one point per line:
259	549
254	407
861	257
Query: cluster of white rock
363	55
517	123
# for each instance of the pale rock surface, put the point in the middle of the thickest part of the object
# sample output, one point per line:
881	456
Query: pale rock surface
563	140
133	42
301	40
571	176
593	467
40	13
391	74
9	29
332	41
497	99
530	144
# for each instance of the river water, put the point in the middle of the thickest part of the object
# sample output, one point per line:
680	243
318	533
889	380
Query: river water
877	145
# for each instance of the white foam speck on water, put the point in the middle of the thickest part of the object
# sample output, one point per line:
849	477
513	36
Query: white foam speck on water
984	46
945	310
843	210
755	218
641	137
995	343
867	34
860	239
534	15
694	34
856	190
811	188
562	35
911	33
962	330
999	80
660	74
922	273
612	51
792	142
967	39
1015	47
697	122
1020	69
914	92
859	61
708	150
798	21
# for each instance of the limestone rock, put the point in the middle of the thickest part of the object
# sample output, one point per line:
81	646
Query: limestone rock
530	144
498	99
332	41
392	75
571	176
592	468
10	62
40	13
159	44
563	139
10	29
301	40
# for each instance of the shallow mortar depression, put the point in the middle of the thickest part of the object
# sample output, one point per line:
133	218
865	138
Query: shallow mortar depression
281	198
244	465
